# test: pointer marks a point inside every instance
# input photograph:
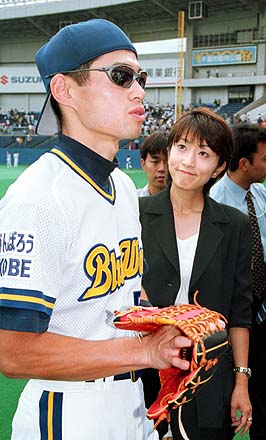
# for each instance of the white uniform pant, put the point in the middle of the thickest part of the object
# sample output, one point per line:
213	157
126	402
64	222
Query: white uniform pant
100	410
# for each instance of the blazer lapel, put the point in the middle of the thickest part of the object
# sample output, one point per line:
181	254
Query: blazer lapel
210	238
162	223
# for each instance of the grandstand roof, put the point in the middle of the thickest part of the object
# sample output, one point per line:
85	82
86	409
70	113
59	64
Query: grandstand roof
143	20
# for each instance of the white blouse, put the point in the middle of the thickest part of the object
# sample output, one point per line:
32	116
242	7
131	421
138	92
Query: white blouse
186	251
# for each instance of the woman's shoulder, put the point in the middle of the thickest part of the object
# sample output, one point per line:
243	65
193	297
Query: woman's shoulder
145	201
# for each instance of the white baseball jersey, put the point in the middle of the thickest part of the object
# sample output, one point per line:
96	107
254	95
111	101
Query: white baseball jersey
70	254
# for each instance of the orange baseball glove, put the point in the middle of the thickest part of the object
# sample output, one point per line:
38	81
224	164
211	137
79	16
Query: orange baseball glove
206	329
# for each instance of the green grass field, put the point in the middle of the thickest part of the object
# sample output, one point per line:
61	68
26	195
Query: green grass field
7	176
10	389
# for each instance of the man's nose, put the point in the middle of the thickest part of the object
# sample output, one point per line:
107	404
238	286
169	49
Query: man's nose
136	91
162	166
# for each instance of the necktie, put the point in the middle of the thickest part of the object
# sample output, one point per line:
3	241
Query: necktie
261	316
258	264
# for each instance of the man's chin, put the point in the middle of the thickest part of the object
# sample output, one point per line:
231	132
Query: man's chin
134	134
160	187
160	184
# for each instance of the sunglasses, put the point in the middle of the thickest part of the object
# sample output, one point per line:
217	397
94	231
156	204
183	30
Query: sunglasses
121	75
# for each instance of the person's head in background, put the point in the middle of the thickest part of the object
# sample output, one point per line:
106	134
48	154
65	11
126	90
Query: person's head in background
200	146
248	163
95	86
153	154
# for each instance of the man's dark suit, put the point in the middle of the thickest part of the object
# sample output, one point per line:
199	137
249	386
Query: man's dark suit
221	274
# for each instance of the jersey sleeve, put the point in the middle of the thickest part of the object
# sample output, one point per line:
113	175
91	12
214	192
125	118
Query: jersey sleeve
32	246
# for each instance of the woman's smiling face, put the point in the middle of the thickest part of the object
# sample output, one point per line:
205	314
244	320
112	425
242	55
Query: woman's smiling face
192	163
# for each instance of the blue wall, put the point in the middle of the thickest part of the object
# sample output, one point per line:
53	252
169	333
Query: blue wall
29	155
134	155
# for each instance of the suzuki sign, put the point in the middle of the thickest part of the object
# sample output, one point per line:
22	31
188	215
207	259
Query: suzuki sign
20	79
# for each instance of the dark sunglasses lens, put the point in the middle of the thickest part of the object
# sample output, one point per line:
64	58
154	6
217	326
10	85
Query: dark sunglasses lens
122	76
142	80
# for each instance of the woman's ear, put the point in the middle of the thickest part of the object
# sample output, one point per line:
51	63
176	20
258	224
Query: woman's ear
218	170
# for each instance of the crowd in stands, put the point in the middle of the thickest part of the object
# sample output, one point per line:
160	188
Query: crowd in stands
15	121
158	118
21	125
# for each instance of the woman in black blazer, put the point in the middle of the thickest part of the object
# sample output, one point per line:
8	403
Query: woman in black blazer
193	243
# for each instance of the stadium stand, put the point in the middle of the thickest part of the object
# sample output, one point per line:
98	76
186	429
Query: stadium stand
224	58
224	69
230	109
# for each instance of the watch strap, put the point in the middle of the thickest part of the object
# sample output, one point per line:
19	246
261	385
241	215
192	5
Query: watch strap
244	370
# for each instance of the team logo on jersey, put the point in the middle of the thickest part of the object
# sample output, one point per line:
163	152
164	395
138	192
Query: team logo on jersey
108	271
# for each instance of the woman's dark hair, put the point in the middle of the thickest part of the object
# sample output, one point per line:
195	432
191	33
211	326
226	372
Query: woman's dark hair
203	125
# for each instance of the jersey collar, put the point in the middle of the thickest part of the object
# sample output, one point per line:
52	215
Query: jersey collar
92	167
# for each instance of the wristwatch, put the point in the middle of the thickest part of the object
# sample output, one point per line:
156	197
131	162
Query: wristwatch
245	370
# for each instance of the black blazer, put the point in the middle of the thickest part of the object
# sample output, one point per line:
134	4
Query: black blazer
221	273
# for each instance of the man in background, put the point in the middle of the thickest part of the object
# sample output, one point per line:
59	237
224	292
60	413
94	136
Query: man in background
16	159
247	171
128	163
153	154
8	159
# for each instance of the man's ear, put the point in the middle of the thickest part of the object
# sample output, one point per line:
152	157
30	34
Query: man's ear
243	164
142	163
60	89
218	170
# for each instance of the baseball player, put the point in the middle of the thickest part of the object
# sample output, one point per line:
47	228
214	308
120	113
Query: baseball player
8	159
71	252
128	163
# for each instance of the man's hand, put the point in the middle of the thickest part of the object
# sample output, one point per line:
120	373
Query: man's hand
164	348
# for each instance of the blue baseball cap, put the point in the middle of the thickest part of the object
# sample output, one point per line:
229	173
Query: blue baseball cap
74	45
